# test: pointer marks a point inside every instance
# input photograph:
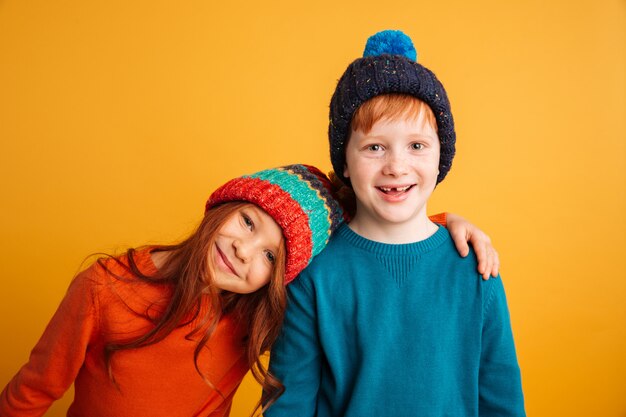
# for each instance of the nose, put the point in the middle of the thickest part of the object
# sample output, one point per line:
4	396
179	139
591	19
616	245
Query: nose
242	249
245	247
395	164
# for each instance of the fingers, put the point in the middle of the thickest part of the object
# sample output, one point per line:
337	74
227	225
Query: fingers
464	234
488	262
483	255
460	241
487	256
495	269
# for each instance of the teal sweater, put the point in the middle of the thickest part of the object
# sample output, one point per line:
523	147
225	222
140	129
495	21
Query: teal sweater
395	330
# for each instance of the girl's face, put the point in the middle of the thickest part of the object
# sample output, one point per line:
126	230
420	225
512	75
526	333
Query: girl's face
245	250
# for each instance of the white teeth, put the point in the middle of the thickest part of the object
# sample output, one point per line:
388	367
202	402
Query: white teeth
387	189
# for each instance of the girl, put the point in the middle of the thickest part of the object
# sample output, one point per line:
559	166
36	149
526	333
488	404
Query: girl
171	330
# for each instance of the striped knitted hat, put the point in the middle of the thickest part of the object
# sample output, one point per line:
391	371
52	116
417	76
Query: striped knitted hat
301	200
389	65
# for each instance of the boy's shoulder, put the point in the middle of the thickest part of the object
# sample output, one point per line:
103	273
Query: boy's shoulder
347	251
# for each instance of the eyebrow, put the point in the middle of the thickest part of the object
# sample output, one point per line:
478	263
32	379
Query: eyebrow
420	136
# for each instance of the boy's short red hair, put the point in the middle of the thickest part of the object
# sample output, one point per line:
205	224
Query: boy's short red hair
391	107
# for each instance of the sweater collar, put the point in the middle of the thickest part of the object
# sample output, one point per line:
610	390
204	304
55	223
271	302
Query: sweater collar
415	248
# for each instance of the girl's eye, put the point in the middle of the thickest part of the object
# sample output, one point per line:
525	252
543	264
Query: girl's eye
270	256
374	148
247	221
417	146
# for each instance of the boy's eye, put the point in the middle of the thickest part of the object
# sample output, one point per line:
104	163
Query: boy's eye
374	148
417	146
270	256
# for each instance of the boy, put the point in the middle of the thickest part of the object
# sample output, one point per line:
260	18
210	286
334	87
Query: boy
383	323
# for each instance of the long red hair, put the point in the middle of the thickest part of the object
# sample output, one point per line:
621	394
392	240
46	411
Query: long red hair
187	269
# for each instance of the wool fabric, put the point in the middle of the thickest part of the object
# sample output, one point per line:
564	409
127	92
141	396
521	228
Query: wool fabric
388	66
300	198
101	306
401	330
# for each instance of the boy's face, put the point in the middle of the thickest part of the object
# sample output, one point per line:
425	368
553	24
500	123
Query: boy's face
393	170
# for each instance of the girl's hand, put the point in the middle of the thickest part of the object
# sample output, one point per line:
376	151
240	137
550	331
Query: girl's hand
462	232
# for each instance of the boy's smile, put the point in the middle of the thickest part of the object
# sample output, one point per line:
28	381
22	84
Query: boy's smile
394	193
393	170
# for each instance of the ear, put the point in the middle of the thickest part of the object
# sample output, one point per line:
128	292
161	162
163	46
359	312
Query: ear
346	172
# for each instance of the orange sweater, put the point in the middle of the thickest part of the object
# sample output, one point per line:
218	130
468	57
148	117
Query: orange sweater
158	380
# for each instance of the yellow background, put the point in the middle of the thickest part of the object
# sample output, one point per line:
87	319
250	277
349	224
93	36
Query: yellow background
118	118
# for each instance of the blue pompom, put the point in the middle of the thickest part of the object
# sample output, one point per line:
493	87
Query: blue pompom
393	42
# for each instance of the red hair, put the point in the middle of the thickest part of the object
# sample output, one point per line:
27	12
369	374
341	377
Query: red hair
391	107
188	270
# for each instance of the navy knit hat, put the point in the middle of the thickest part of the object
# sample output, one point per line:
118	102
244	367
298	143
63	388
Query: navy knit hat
300	198
388	66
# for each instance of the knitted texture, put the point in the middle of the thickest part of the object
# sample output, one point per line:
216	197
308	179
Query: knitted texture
102	305
400	330
388	66
392	42
300	198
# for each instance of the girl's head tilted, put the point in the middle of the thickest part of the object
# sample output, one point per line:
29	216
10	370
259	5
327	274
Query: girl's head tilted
242	246
246	250
283	218
258	232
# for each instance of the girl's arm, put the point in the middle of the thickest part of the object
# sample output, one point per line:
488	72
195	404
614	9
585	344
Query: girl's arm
462	232
58	356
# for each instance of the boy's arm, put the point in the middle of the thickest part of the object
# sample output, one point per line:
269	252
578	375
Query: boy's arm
500	386
462	232
295	357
